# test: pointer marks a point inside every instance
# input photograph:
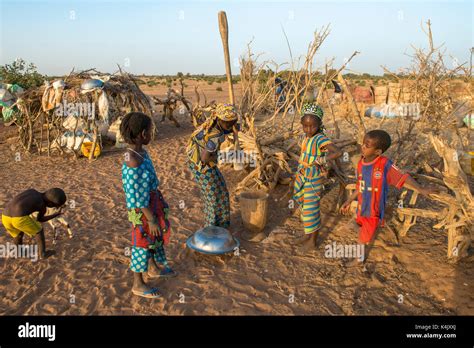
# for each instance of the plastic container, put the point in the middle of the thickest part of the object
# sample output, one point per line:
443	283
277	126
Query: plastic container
86	148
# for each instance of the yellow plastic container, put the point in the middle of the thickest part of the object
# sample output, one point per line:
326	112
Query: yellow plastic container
86	148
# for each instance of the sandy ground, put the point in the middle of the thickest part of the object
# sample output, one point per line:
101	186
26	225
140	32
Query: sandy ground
89	274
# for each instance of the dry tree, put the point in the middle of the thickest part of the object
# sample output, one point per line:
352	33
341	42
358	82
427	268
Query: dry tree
170	103
274	142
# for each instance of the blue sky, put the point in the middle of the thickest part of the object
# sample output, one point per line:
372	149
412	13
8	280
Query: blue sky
164	37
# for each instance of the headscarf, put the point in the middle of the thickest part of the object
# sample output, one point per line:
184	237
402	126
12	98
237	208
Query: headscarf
312	109
224	112
316	110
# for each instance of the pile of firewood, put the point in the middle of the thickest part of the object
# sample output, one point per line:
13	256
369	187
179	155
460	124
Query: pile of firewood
457	218
277	151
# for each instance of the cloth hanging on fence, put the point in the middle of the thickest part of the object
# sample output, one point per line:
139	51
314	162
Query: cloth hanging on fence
103	103
9	94
8	114
6	96
10	91
72	122
51	97
69	141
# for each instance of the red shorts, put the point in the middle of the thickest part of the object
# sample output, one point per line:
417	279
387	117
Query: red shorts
368	226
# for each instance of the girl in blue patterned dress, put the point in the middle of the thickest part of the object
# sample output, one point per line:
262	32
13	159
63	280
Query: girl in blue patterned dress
147	210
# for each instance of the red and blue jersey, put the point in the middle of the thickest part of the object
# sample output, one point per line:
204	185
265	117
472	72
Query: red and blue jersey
373	180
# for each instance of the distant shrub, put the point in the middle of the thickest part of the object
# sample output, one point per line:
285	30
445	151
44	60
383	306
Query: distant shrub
219	89
21	73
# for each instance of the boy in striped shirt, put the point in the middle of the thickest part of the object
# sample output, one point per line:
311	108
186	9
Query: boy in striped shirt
375	173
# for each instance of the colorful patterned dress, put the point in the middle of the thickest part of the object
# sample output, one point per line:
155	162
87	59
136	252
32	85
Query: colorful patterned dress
140	185
210	180
308	182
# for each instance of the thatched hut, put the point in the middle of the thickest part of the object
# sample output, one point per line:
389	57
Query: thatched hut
75	113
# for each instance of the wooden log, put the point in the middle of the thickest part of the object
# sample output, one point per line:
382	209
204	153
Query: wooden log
428	177
343	140
40	148
454	177
337	131
361	126
410	220
453	250
48	134
254	173
276	138
419	212
460	242
224	31
94	144
272	150
274	182
293	156
345	144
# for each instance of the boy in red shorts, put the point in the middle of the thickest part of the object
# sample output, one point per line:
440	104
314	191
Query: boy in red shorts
375	173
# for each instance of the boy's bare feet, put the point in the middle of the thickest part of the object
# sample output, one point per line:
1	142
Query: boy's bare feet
353	263
296	212
18	240
308	242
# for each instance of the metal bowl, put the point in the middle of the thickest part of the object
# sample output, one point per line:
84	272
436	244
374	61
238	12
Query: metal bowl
59	84
212	240
91	84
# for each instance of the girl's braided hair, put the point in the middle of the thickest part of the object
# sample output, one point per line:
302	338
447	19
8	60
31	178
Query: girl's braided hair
133	124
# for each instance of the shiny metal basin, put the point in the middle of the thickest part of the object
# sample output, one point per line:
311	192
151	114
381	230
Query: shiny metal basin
91	84
212	240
